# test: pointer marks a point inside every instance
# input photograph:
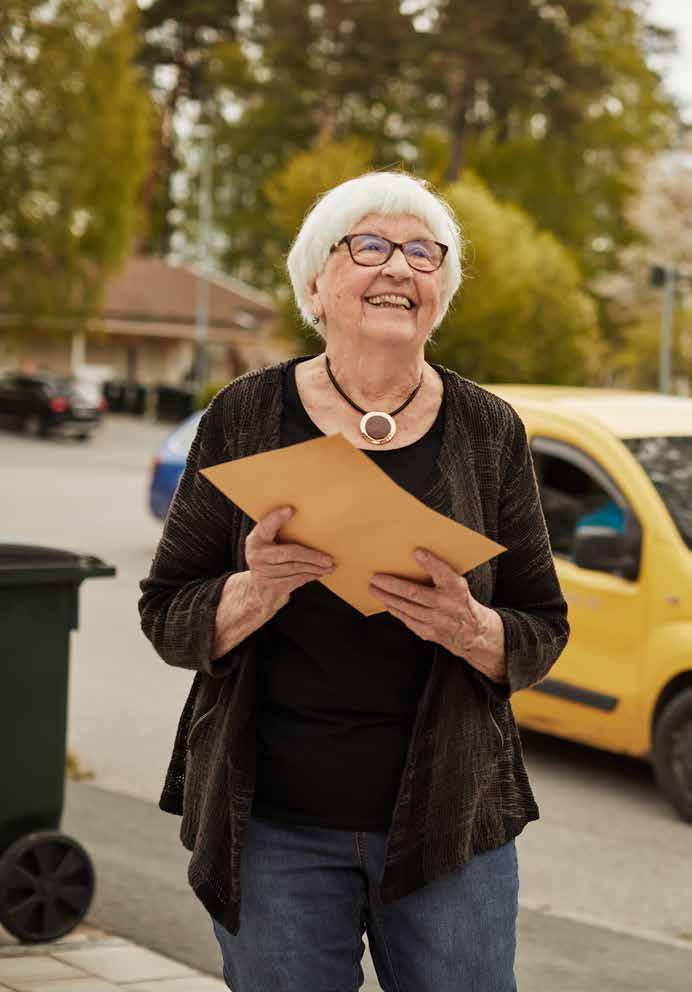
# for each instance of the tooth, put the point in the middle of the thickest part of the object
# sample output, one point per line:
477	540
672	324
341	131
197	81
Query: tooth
393	300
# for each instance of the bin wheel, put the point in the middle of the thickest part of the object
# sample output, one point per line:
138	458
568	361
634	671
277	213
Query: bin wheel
46	886
35	426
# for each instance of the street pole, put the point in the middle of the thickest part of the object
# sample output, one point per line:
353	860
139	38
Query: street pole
667	318
203	234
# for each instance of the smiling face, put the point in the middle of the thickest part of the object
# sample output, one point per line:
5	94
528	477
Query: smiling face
389	302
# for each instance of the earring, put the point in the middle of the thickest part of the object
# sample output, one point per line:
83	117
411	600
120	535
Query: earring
315	320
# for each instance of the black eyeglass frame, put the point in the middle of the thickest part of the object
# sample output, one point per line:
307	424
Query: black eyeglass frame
393	245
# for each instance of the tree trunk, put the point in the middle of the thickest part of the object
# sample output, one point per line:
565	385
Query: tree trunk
159	173
461	89
327	118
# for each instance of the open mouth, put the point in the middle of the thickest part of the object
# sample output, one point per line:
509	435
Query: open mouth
395	300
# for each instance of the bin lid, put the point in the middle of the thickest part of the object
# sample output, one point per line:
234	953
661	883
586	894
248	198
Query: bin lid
26	564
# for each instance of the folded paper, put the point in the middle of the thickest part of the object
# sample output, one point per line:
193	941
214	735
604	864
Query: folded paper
347	507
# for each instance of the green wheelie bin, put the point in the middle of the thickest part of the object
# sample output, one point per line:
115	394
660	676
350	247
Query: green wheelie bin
46	878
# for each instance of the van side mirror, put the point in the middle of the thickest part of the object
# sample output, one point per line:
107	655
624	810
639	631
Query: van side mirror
606	550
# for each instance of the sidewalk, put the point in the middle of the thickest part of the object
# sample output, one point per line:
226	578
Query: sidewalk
90	960
553	954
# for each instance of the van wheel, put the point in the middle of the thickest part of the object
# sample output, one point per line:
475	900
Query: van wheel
672	753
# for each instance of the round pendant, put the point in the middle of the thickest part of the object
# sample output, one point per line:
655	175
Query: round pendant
377	427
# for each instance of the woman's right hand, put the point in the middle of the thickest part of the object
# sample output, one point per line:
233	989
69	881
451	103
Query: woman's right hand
278	569
248	599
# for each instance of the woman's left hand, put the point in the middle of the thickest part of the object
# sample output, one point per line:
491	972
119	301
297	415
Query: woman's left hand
446	613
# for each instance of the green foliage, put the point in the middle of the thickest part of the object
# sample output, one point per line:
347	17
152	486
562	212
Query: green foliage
521	315
292	191
574	167
635	360
194	43
290	194
548	104
319	72
290	327
553	105
494	64
74	121
182	35
207	393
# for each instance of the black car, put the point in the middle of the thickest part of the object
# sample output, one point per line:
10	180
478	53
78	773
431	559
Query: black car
44	403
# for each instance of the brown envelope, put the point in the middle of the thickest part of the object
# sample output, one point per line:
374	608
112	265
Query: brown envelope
346	506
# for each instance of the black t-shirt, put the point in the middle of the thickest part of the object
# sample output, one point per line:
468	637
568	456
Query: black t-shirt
337	691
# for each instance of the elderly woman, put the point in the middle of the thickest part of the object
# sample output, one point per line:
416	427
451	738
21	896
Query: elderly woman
337	773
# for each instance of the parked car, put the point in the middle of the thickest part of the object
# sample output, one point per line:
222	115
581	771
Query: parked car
614	471
50	403
169	464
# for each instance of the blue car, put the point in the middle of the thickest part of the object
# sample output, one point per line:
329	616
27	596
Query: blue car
169	464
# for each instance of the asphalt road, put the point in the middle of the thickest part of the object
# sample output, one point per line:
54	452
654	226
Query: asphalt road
608	863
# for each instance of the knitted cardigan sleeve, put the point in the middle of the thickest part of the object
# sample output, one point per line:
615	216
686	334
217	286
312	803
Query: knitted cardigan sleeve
181	594
527	593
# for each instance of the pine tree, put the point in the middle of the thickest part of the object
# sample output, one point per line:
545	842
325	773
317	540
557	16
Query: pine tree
181	40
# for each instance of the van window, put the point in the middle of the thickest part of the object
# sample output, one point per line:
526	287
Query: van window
668	463
572	497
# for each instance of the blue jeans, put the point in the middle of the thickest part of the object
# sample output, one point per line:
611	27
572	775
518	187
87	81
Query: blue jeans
309	893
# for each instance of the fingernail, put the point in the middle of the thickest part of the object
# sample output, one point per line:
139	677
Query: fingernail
420	554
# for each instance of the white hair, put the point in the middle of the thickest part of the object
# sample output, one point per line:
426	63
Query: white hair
337	210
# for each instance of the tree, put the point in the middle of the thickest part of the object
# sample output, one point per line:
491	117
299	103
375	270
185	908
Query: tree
330	70
663	213
521	314
290	194
552	103
74	120
548	102
488	65
563	105
180	42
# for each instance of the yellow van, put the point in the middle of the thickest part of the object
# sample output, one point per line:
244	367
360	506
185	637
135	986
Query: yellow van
614	469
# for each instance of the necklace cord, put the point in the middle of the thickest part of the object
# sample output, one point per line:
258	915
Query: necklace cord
355	405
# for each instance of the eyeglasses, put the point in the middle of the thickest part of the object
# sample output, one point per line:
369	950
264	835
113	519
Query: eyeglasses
372	249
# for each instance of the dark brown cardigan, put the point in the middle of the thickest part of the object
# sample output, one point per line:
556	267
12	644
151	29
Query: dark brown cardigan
464	788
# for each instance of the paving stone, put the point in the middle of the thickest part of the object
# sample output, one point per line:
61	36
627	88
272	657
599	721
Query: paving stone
81	934
84	984
129	964
203	983
11	947
35	968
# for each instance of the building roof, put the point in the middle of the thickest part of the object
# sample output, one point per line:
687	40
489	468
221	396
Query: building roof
624	412
150	290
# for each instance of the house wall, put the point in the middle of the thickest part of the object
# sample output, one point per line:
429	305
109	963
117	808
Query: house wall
40	352
145	359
